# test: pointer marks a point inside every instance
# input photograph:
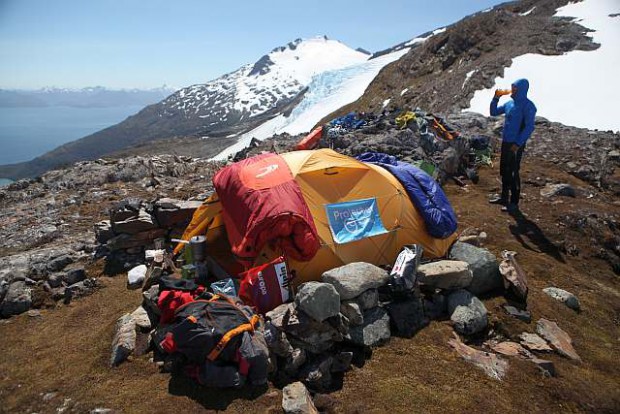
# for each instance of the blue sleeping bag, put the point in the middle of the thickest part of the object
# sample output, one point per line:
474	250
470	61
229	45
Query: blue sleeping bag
425	194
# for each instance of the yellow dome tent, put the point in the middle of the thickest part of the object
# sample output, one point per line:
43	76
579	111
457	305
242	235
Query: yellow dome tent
327	177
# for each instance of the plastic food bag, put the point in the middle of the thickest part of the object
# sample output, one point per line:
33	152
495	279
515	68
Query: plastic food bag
403	275
225	286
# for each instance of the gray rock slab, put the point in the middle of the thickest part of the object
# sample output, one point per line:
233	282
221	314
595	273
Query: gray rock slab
319	300
407	317
467	312
17	299
375	329
124	341
353	279
445	274
551	190
352	311
564	296
368	299
296	400
482	263
143	222
559	340
141	318
534	342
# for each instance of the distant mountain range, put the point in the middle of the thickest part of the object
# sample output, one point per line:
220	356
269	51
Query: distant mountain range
91	97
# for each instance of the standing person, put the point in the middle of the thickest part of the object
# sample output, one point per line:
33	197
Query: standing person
518	126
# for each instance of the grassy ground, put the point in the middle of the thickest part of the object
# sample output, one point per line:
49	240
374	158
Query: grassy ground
60	360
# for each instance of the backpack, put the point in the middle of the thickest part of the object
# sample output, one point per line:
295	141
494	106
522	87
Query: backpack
221	339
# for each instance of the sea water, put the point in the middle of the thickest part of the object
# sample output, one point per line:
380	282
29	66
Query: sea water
26	133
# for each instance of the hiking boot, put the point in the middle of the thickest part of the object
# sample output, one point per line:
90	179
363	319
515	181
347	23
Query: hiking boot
510	208
498	200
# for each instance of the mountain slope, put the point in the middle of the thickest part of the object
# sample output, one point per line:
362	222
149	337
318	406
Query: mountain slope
231	104
443	74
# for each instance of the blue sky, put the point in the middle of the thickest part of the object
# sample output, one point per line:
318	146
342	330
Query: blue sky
148	43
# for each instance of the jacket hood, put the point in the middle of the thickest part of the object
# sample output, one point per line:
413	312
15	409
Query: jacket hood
522	86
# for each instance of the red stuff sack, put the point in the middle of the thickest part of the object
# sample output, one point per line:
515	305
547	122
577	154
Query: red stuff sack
265	287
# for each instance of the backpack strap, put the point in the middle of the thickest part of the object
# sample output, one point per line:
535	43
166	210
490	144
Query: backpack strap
217	350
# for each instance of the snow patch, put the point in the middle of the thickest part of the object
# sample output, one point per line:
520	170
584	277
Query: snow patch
386	102
527	12
467	76
404	91
579	88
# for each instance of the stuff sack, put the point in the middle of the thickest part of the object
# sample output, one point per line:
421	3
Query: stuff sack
265	287
403	275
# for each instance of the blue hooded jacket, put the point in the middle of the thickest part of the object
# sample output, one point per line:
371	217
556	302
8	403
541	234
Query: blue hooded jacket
520	114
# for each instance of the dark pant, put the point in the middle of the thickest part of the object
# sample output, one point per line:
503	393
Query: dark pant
509	165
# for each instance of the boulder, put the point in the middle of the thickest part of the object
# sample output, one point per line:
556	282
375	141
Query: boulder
352	311
551	190
149	300
467	312
368	299
483	265
133	225
127	241
302	330
523	315
317	374
534	342
564	296
294	361
559	340
141	319
17	299
407	317
491	364
136	276
74	276
436	307
59	263
103	231
353	279
445	274
319	300
124	341
296	400
174	213
81	289
375	329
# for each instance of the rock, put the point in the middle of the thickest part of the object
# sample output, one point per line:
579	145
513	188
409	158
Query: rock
132	225
124	341
296	400
127	241
551	190
302	330
524	315
368	299
407	317
141	319
534	342
294	361
491	364
174	213
136	276
101	411
547	367
59	263
103	231
515	279
149	300
34	313
18	299
319	300
318	373
81	289
353	279
558	339
342	361
277	342
482	263
445	274
564	296
436	307
375	329
55	280
75	275
511	349
352	311
467	312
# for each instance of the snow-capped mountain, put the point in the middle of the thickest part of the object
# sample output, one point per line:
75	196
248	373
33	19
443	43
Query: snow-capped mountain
273	81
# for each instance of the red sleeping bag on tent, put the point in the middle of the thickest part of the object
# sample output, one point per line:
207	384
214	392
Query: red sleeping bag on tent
261	202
